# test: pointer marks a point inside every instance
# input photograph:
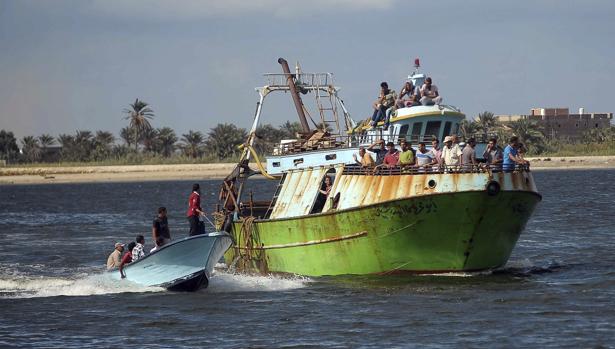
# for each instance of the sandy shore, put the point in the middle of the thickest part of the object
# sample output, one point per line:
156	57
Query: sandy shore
129	173
138	173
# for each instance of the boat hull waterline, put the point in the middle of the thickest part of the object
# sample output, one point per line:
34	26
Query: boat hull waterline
444	232
182	265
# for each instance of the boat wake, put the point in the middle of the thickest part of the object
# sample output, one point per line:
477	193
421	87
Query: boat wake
521	268
224	282
86	285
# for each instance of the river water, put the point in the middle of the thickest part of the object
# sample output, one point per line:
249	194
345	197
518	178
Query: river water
557	290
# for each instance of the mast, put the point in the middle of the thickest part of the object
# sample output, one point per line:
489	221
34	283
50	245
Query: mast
296	98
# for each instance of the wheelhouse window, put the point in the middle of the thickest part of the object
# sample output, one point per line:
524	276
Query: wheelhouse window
433	129
447	129
416	131
403	131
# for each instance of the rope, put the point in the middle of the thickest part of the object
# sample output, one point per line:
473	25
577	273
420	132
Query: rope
247	254
219	218
258	161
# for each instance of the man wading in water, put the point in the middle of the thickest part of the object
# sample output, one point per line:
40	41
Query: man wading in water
195	210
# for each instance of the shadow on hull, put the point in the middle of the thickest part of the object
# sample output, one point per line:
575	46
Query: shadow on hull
191	285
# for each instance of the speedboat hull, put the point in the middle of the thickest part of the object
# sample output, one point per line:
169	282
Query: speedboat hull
183	265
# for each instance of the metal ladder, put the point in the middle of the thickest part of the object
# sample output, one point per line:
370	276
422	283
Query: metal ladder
327	106
274	199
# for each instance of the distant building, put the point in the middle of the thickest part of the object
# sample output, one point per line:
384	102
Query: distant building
559	123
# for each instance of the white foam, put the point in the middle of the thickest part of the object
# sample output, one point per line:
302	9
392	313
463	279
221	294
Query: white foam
97	284
223	282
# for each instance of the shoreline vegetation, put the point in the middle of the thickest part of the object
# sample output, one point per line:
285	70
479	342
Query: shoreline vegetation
137	173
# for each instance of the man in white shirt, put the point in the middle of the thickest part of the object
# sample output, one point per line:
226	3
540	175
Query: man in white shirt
137	251
450	153
429	93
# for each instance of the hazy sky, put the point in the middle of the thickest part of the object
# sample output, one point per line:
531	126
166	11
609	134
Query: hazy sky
69	65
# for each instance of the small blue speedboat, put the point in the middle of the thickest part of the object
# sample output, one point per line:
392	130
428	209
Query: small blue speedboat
182	265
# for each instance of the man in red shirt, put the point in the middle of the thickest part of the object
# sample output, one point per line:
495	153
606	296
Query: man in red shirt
392	156
195	210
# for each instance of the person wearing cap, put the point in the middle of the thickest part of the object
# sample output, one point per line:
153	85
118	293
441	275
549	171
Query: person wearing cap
114	259
195	210
450	153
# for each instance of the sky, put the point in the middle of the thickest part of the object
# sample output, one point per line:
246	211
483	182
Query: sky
75	65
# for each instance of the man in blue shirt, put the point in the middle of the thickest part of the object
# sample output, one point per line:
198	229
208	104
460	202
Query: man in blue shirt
510	155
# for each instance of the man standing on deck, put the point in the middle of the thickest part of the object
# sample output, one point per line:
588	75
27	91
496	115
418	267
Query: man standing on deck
380	151
435	148
406	156
450	152
392	156
194	211
160	227
468	154
366	159
511	156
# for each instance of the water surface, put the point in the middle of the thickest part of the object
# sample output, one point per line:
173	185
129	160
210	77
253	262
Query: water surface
558	289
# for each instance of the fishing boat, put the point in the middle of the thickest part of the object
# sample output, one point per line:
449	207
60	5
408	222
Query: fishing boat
392	220
182	265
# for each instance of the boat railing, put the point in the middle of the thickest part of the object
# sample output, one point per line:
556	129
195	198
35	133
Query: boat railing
324	141
383	170
303	81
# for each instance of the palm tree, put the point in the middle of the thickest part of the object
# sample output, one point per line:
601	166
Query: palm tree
290	129
267	137
486	121
127	135
192	142
165	141
148	138
103	144
8	146
30	148
529	133
224	139
139	114
45	141
84	145
67	142
467	128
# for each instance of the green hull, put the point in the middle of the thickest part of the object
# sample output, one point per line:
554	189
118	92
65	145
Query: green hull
448	232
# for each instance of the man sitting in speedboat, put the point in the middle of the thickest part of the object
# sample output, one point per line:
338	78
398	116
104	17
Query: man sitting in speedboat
127	259
114	259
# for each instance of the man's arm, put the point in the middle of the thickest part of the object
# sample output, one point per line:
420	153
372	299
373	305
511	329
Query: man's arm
155	232
354	156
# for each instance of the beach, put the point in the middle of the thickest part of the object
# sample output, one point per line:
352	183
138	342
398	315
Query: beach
138	173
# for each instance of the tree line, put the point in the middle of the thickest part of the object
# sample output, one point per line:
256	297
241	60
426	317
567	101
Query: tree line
532	135
139	142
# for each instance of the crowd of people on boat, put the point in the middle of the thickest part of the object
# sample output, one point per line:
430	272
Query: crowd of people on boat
125	254
452	156
388	101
